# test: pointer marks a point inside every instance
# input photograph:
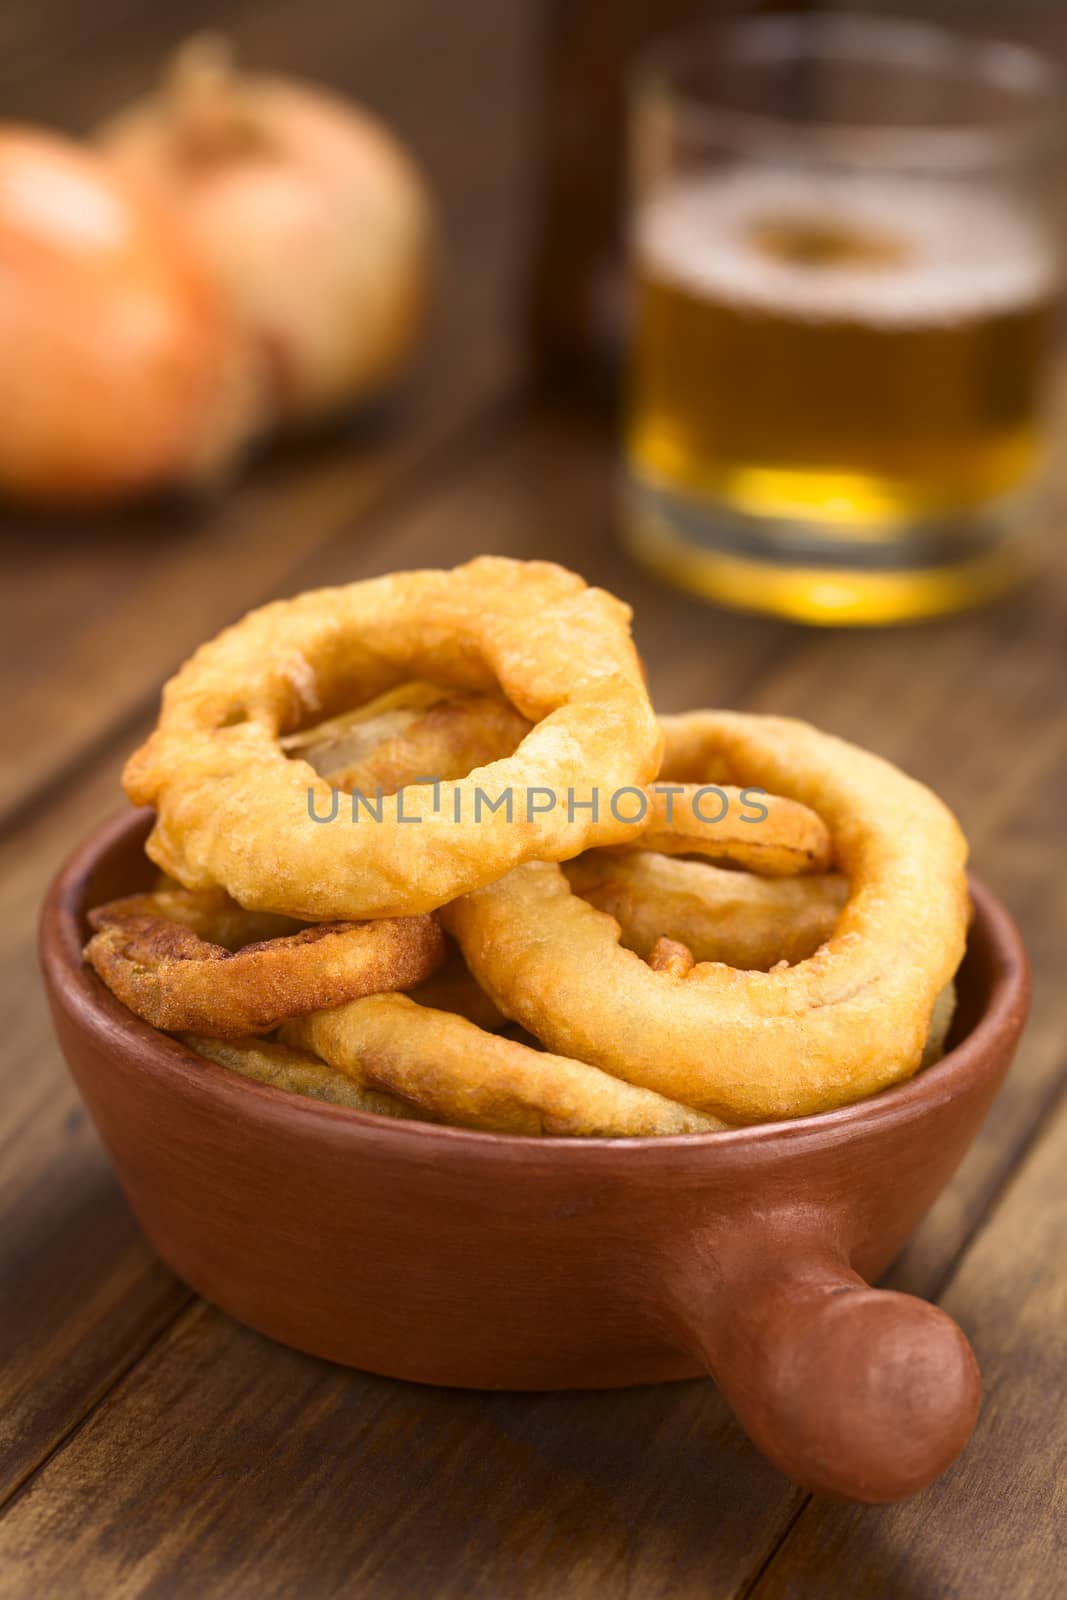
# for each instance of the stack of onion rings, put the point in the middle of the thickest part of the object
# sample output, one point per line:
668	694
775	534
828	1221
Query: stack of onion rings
805	960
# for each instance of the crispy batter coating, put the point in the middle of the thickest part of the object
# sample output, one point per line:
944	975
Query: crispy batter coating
176	980
210	913
748	1046
233	810
298	1072
458	1074
788	838
669	955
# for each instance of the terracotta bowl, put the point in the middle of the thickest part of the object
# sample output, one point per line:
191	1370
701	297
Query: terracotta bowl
490	1261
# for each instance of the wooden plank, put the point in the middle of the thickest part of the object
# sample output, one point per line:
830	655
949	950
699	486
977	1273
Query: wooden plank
122	600
83	1295
229	1466
993	1525
654	1492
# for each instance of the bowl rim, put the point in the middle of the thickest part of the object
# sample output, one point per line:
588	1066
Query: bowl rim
60	944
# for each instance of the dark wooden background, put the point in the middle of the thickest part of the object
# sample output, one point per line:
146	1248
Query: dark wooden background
152	1447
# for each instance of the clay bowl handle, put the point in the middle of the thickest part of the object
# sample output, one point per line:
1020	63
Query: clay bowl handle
853	1392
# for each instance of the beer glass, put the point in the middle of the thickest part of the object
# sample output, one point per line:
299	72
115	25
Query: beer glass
844	274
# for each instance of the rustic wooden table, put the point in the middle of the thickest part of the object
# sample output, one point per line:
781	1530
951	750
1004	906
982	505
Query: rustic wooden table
153	1447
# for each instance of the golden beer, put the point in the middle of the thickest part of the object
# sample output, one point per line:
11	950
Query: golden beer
852	353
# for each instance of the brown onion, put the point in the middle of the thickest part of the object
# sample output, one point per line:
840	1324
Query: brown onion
309	212
122	368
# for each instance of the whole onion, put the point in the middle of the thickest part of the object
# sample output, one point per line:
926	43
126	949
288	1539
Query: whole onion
307	210
122	368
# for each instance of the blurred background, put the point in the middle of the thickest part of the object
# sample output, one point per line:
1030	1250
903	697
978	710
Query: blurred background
528	255
547	207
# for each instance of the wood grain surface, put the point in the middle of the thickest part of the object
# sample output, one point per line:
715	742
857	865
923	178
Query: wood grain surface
152	1447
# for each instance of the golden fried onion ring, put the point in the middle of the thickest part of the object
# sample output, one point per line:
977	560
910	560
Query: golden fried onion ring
748	1046
734	917
281	1067
417	731
210	913
233	810
788	839
456	1073
169	975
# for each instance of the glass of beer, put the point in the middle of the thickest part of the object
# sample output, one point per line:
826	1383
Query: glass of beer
845	275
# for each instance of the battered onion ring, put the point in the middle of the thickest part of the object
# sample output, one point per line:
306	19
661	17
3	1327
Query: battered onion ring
416	731
748	1046
734	917
788	839
210	913
234	811
297	1072
456	1073
171	977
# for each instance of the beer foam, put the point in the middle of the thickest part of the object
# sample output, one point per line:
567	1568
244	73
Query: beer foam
961	255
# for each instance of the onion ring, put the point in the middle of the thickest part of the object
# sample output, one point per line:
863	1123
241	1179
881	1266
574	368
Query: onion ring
417	731
733	917
281	1067
748	1046
210	913
458	1074
788	839
169	975
232	810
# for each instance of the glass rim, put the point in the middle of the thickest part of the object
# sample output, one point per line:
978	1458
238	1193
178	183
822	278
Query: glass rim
1040	129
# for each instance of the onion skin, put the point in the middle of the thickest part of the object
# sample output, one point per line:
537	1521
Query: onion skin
122	370
309	213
